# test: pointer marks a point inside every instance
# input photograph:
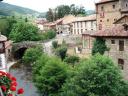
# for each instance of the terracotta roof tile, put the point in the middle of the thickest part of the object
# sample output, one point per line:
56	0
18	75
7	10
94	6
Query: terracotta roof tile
117	31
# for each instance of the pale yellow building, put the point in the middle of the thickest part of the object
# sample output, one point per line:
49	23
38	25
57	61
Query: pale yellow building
108	11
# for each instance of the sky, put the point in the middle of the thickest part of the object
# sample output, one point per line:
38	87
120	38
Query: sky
43	5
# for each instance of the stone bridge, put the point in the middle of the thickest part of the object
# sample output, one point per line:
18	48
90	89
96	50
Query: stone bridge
18	49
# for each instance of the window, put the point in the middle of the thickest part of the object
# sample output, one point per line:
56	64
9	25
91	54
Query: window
77	24
121	45
100	20
125	27
121	63
102	8
112	41
100	26
107	20
81	24
113	6
81	30
115	19
0	62
126	5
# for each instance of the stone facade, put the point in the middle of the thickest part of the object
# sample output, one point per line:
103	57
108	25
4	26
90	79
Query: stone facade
116	54
110	11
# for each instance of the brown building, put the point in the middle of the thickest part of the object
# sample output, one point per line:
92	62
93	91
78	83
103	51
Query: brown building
117	41
108	11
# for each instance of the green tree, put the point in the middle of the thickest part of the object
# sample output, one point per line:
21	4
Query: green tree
99	46
50	76
31	55
22	31
72	60
55	44
50	15
62	10
61	52
98	76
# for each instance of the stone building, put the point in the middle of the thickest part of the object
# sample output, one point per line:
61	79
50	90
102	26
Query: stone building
117	42
108	11
82	24
65	24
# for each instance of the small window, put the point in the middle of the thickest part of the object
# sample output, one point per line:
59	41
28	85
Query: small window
113	6
115	19
100	20
121	45
102	8
121	63
112	41
126	5
0	62
107	20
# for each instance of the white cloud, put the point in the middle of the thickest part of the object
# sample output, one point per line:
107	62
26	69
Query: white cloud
43	5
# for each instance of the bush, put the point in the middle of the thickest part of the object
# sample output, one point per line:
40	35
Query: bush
55	44
72	60
99	46
61	52
50	34
98	76
49	74
31	55
24	32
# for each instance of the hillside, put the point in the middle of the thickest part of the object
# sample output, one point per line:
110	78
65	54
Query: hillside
8	9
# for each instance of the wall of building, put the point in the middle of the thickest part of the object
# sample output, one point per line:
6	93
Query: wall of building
80	27
107	14
115	54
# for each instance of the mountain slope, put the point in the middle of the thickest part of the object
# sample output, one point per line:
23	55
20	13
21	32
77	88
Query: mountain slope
8	9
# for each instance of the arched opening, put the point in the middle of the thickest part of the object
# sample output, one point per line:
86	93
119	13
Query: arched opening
19	53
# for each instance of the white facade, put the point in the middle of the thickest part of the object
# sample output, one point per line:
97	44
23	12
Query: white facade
80	27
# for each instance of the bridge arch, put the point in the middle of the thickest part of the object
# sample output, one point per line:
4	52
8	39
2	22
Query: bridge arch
18	49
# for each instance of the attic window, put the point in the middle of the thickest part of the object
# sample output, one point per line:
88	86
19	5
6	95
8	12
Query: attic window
125	27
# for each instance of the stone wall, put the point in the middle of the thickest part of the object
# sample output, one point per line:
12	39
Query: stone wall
115	54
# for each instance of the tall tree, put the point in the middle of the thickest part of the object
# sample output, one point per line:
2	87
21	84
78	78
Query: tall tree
50	15
98	76
24	32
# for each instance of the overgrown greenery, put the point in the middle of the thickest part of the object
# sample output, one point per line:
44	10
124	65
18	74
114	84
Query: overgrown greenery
55	44
49	34
6	24
50	76
98	76
99	46
24	32
72	60
31	55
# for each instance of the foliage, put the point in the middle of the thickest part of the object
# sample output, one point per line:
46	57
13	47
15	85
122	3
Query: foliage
50	15
55	44
6	24
31	55
50	34
22	31
72	60
99	46
62	10
61	52
49	74
98	76
8	85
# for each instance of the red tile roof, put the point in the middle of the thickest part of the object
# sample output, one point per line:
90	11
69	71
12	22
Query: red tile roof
117	31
